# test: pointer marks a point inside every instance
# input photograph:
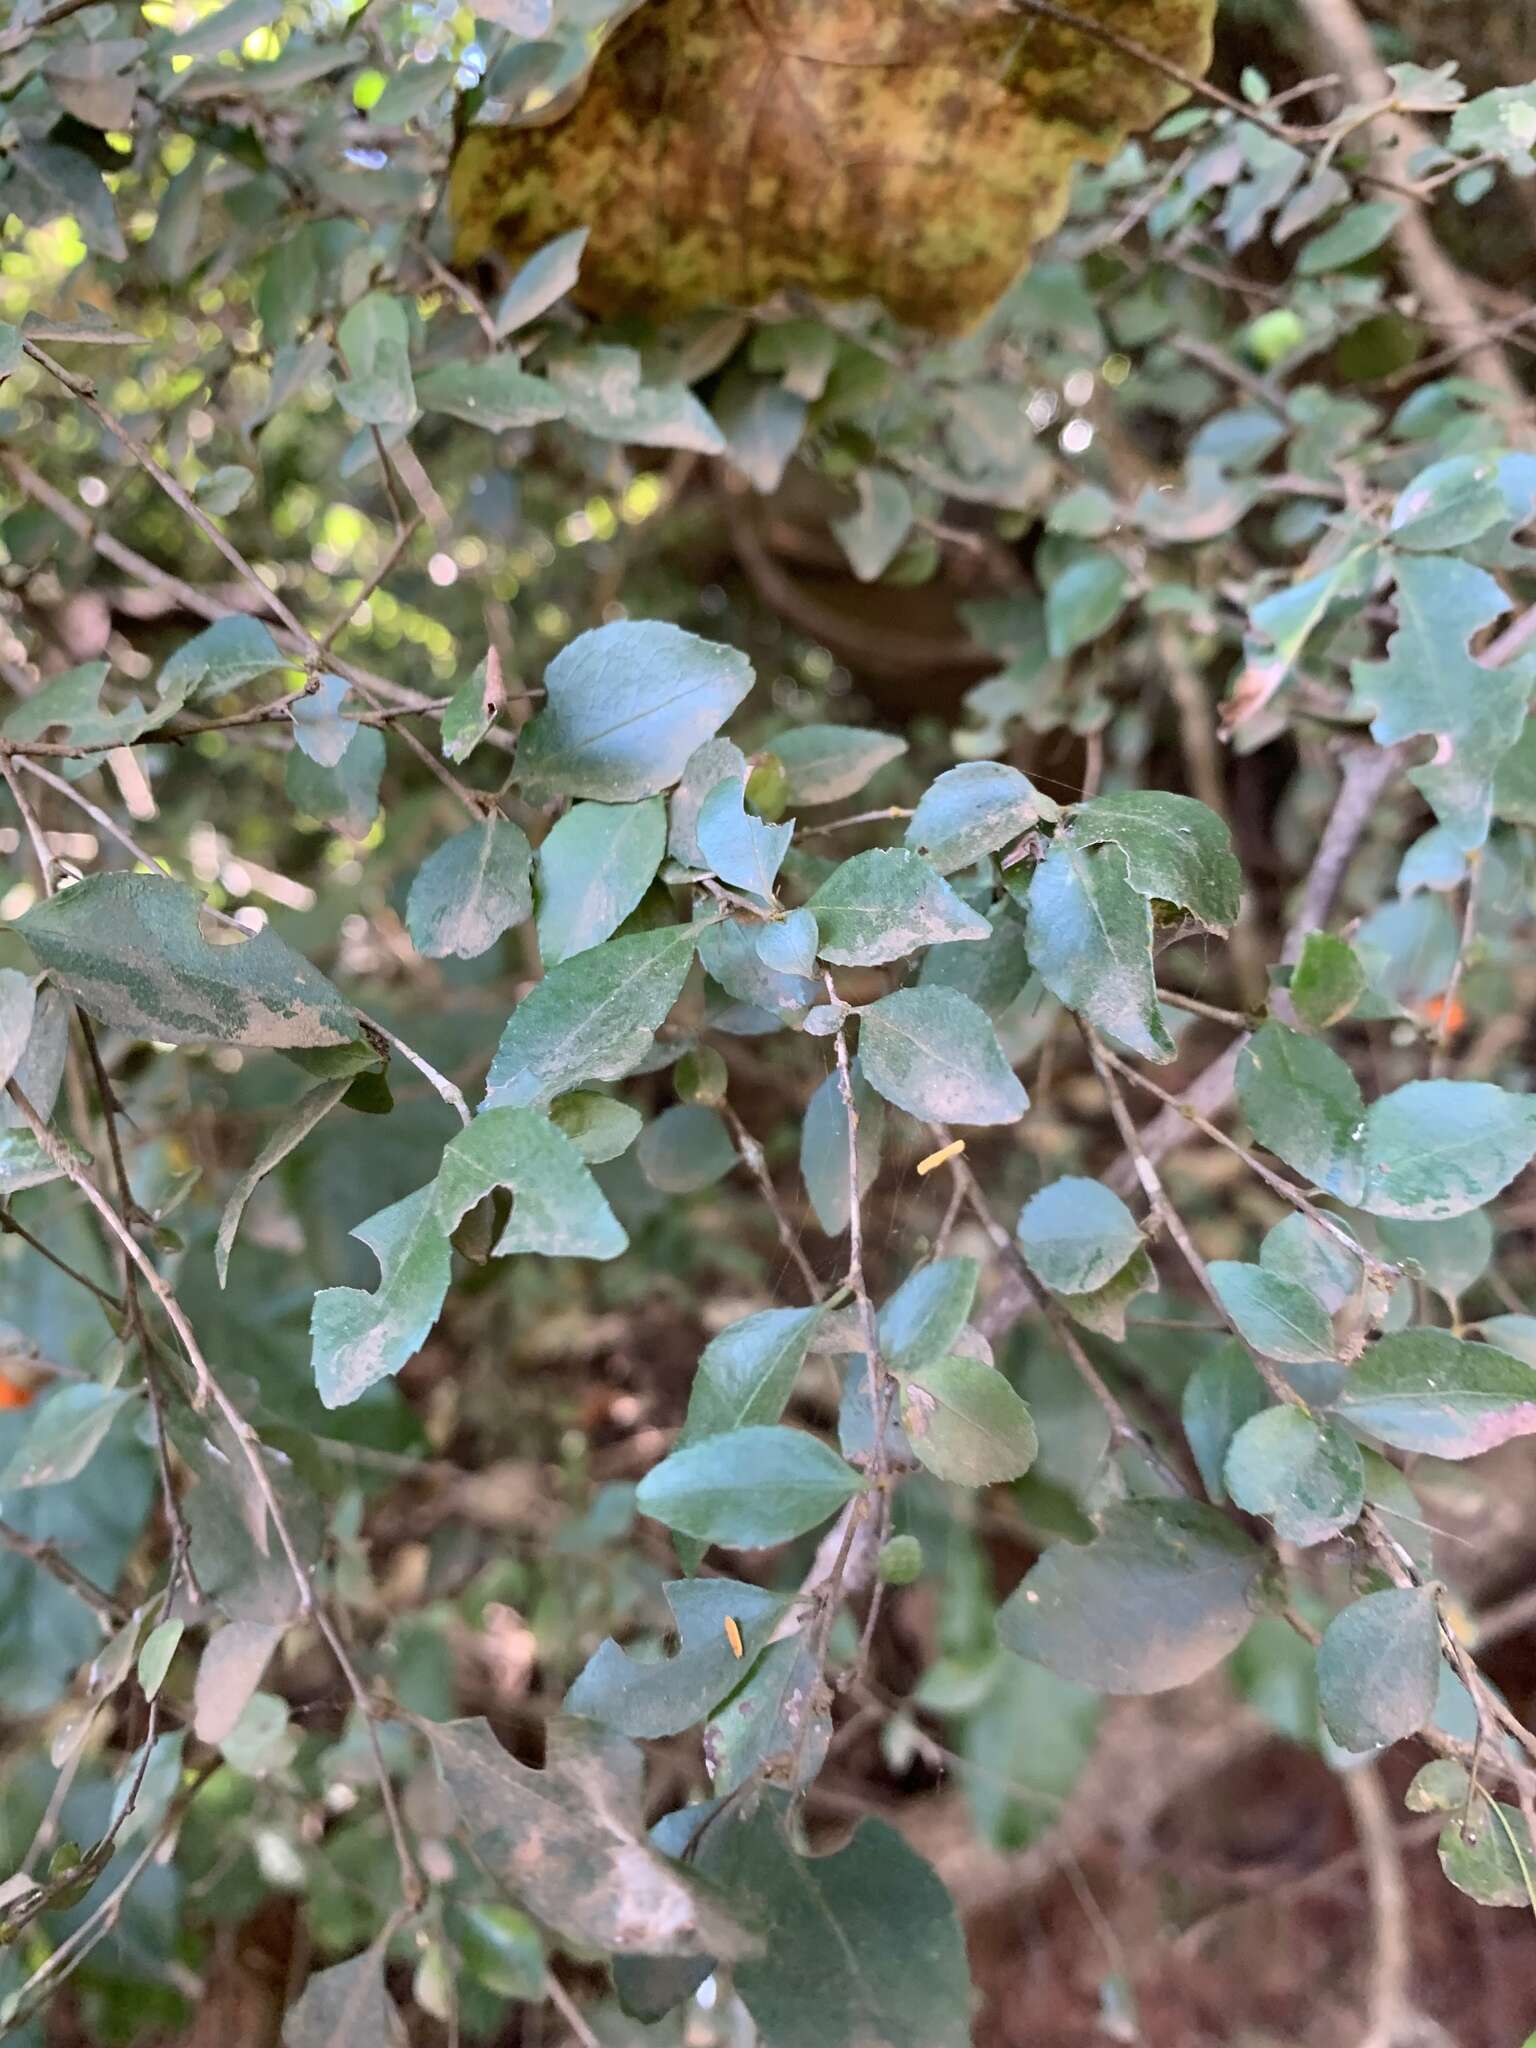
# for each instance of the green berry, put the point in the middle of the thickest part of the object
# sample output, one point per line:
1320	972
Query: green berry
901	1561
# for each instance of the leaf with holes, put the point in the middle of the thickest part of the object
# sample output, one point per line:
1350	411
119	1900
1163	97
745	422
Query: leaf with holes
663	1696
131	950
1430	683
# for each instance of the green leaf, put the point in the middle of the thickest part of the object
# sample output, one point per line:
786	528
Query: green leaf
966	1423
743	851
359	1338
1302	1251
871	537
1514	780
570	1842
1276	1316
1501	123
1084	601
375	342
824	1147
1425	1390
1223	1392
346	796
593	868
1305	1106
1448	504
496	393
763	424
291	1132
1305	1473
347	2006
1452	1255
825	763
318	725
471	711
625	706
780	1722
1438	1148
1514	1334
592	1018
788	946
729	952
1176	850
1430	683
1077	1235
882	905
222	657
1027	1745
541	283
605	397
875	1900
686	1148
664	1696
130	949
1154	1601
472	889
558	1209
1328	981
933	1053
599	1127
921	1322
749	1488
18	1004
154	1661
1089	939
973	810
1378	1668
1357	231
747	1373
64	1433
1491	1859
1104	1309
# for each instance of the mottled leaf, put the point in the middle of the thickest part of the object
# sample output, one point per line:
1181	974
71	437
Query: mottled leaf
472	889
593	868
1176	850
1276	1316
1378	1668
592	1018
346	2006
570	1842
966	1423
1430	683
1438	1148
934	1053
1156	1599
1305	1106
1425	1390
130	949
815	155
1304	1472
882	905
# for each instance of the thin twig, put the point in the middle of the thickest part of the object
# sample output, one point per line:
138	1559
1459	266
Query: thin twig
51	1560
1445	1023
1168	1215
751	1154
